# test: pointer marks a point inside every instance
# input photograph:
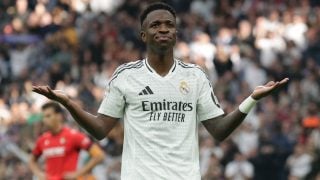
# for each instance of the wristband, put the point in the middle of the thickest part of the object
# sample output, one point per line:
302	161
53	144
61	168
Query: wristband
247	105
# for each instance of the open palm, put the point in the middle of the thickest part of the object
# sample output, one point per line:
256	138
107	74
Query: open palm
56	95
262	91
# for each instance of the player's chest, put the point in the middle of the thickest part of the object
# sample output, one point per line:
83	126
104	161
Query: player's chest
148	88
56	147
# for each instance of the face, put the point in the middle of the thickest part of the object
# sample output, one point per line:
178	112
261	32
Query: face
51	119
159	31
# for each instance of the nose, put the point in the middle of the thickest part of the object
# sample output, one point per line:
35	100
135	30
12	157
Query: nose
163	28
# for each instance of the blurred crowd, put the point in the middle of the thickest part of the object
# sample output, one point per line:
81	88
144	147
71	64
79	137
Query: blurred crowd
75	45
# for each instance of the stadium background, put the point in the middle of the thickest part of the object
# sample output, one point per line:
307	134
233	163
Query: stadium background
75	45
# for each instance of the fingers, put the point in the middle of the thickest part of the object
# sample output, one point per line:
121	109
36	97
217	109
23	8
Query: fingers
277	83
37	88
270	83
49	90
44	90
34	88
282	82
272	86
285	80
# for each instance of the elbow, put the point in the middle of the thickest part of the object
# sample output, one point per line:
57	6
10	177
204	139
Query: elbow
220	138
97	153
31	160
32	164
98	134
99	137
220	135
101	157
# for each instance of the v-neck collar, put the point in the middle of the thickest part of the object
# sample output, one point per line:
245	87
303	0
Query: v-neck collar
154	72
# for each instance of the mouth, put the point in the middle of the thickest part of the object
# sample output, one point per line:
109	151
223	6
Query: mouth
162	38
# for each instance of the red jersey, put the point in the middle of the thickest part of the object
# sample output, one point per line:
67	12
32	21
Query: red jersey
61	151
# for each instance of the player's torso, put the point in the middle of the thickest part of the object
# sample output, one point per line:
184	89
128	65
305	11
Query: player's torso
154	102
58	149
160	120
160	123
56	146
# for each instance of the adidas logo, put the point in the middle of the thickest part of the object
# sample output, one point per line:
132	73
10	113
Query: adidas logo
145	91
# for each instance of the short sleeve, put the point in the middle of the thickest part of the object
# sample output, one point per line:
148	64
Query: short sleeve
81	140
114	100
207	104
37	151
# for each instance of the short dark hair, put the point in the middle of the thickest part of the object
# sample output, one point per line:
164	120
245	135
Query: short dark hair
55	106
156	6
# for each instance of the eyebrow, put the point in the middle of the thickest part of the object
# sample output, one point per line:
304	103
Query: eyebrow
162	21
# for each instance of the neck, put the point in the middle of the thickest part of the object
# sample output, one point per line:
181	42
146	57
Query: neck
161	62
57	129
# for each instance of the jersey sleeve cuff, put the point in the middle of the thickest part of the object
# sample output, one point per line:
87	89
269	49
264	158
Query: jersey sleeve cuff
210	116
107	113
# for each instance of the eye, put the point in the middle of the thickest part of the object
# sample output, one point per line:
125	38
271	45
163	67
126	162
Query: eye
170	24
154	25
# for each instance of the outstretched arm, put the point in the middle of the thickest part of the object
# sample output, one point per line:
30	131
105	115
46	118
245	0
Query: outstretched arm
221	127
98	126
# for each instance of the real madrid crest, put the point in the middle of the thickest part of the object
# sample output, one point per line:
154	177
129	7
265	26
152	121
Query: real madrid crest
62	140
46	142
184	87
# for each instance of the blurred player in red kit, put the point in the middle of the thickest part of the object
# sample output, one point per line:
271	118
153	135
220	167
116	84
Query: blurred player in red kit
60	147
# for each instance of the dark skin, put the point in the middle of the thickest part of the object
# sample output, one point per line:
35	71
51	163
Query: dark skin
159	33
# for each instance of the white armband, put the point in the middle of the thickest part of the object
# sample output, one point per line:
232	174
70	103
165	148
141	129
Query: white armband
247	105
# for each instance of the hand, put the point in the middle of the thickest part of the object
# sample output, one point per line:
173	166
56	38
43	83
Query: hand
70	176
56	95
41	176
262	91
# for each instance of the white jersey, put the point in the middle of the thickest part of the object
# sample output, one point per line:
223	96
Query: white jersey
161	116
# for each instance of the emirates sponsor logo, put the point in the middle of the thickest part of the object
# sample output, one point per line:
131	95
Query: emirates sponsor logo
54	152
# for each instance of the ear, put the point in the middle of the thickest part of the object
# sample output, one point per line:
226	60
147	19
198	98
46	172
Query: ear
143	36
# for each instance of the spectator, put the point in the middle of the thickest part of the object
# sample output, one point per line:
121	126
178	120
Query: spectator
97	42
299	163
239	168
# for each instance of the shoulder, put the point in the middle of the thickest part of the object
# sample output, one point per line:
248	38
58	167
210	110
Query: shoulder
126	68
130	65
77	136
195	69
74	133
44	136
70	131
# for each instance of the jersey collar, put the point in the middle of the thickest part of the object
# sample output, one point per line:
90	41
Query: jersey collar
63	128
150	69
